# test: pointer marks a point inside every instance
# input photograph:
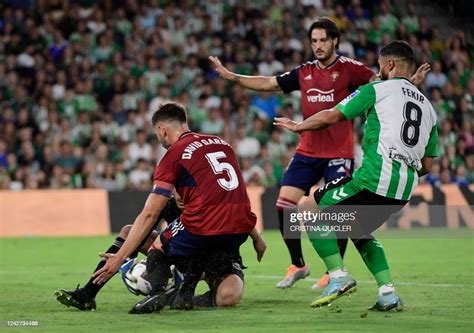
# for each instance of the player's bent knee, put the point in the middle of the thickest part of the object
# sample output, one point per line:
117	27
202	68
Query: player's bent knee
125	231
149	241
230	291
291	193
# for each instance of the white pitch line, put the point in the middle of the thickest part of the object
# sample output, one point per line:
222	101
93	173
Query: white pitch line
416	284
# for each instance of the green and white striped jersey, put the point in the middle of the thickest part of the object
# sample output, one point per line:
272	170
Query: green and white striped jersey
399	131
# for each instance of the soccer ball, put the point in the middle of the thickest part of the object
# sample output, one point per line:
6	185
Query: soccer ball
132	275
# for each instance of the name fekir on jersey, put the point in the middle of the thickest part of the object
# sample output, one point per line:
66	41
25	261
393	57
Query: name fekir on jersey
321	89
399	131
204	171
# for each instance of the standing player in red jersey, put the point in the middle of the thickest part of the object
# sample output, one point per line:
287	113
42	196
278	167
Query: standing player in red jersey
205	173
323	83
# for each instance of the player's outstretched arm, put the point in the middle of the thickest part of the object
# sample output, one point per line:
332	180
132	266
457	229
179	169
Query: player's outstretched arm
318	121
260	83
141	227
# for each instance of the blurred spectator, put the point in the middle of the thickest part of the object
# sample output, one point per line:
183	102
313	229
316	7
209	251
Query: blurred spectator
214	124
252	173
66	159
460	176
269	66
276	147
410	20
388	21
433	178
265	104
140	177
109	181
3	154
140	149
345	47
245	146
435	78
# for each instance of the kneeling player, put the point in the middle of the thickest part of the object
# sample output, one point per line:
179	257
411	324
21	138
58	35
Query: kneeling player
204	171
225	279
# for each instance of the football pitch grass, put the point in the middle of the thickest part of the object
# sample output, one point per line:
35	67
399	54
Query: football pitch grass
434	277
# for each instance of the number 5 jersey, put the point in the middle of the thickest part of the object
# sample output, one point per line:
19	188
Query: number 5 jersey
204	171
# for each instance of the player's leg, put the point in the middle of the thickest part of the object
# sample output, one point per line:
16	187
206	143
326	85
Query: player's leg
287	203
219	258
84	298
324	241
374	211
230	291
334	169
300	176
157	273
225	277
373	255
174	242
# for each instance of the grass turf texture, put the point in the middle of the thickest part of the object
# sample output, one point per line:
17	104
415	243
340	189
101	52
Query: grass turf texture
435	280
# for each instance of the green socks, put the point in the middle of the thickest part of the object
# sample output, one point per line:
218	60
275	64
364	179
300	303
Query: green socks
374	257
372	253
328	250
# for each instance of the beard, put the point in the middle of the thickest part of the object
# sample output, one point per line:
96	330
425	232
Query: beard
383	76
163	143
326	54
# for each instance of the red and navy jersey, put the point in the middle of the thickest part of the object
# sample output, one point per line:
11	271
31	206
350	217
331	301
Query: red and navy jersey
321	89
204	171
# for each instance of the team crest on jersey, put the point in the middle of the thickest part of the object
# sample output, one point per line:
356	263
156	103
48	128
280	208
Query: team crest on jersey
348	98
334	75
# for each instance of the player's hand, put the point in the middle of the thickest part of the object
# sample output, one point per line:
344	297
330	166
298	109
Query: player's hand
111	267
420	74
286	123
260	247
219	68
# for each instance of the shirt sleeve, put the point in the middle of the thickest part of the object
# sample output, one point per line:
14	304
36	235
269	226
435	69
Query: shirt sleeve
360	75
431	149
289	81
358	102
166	173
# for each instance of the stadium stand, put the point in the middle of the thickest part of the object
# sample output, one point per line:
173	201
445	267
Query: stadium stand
79	81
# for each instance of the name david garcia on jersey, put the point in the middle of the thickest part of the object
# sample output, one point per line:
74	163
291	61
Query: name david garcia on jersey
193	146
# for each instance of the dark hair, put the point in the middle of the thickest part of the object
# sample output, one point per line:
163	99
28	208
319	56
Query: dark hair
399	49
327	24
169	112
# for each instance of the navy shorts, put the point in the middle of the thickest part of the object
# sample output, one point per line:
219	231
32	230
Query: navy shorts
179	242
304	172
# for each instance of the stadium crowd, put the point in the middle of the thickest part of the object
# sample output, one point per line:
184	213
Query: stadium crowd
79	81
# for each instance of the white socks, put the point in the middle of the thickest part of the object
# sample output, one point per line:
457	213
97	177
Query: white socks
386	288
341	272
